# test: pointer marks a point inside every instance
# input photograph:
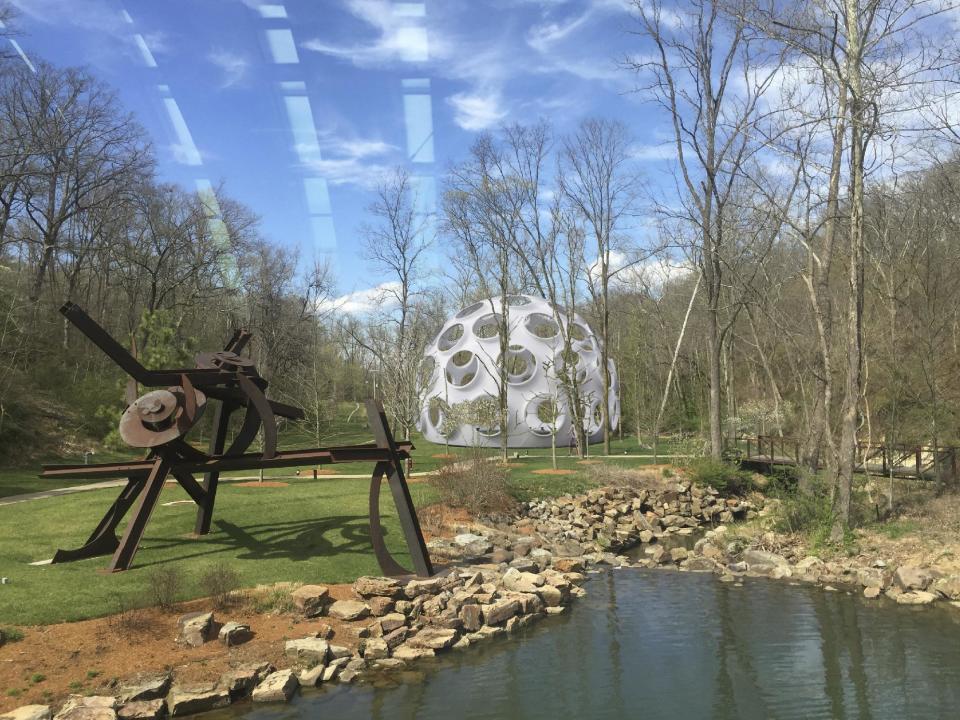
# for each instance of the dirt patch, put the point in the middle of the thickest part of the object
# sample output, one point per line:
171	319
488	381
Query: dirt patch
87	657
264	484
440	520
589	462
444	456
551	471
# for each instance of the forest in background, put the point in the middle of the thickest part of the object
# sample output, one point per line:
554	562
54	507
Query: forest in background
799	277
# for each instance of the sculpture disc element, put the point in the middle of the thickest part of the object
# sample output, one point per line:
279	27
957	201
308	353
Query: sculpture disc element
158	417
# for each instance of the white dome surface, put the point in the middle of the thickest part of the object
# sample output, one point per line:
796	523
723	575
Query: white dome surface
461	365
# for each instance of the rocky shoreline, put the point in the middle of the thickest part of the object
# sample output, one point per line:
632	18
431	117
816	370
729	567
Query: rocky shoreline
505	573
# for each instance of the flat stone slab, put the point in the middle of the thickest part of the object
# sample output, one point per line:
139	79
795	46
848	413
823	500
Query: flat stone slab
192	699
311	600
276	687
28	712
143	710
349	610
433	638
241	681
311	650
144	687
368	586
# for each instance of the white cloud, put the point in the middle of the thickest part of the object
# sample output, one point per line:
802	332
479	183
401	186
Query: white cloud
361	302
351	161
478	110
233	66
660	151
396	40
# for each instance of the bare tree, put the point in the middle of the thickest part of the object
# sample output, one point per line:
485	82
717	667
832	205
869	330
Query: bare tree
597	180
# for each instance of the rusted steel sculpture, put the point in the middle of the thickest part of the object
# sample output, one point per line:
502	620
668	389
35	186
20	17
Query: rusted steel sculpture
159	421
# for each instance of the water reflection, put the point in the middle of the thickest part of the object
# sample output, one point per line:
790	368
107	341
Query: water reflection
655	644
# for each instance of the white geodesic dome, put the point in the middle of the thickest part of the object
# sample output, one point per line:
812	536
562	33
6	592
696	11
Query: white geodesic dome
461	364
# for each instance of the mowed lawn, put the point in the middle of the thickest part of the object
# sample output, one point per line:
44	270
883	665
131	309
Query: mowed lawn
309	531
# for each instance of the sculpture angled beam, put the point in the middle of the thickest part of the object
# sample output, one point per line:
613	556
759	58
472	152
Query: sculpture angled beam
159	420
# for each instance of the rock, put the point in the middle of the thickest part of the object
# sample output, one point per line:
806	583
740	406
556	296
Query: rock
323	631
143	710
472	544
28	712
90	707
433	638
309	650
311	677
518	581
762	557
234	633
678	554
430	586
541	556
368	586
550	595
339	651
916	597
380	605
349	610
699	564
501	556
568	564
311	600
195	628
144	687
334	668
396	638
871	591
948	587
376	649
352	670
737	567
559	610
472	617
278	686
196	698
241	681
499	612
912	578
406	652
392	621
389	664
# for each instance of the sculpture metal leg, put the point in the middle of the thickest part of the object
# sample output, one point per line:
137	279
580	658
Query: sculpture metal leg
401	498
221	423
141	516
103	540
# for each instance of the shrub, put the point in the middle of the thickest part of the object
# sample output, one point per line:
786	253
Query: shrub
635	478
806	512
474	482
10	634
726	478
164	585
218	581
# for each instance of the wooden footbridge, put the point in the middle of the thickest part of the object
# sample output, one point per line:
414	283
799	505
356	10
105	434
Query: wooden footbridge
919	462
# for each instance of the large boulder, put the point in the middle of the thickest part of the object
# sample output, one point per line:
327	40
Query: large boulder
241	681
368	586
407	652
28	712
196	698
278	686
89	707
496	613
375	649
234	633
308	650
144	687
311	600
912	578
195	628
916	597
433	638
518	581
143	710
762	557
429	586
349	610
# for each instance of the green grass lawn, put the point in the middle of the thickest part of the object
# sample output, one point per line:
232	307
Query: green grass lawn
310	531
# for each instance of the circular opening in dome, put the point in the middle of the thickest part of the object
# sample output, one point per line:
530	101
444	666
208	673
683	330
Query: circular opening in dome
547	412
578	332
460	380
462	358
520	364
484	416
569	358
450	337
542	326
517	300
487	326
470	310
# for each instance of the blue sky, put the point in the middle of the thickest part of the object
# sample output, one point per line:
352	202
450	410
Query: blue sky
298	106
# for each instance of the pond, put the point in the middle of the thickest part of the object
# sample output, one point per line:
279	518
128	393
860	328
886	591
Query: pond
659	644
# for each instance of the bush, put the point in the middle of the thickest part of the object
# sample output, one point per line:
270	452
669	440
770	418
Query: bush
474	482
10	634
218	582
726	478
164	585
806	512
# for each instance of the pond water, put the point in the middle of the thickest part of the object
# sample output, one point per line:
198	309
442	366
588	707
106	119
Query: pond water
654	644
